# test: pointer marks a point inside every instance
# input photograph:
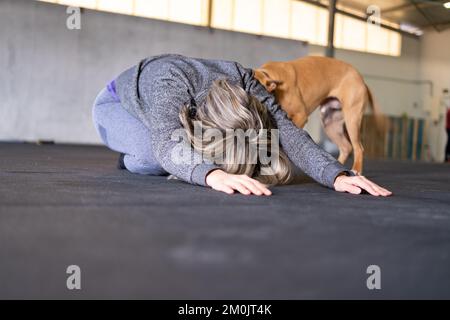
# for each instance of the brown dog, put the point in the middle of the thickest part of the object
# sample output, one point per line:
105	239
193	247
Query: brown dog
302	85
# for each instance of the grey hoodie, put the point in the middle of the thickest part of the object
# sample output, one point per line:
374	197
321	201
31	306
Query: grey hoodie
155	90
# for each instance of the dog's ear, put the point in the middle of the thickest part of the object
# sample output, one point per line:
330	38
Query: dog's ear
263	77
271	85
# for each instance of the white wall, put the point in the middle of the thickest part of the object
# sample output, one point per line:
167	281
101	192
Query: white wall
50	75
435	65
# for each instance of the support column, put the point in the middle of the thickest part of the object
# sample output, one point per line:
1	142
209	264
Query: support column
331	16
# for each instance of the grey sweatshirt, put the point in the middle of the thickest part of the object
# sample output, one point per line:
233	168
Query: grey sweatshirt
155	90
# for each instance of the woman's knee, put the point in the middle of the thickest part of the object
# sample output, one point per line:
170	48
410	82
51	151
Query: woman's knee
141	166
97	111
102	105
106	116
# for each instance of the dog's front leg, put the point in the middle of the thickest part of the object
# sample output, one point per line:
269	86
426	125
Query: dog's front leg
299	119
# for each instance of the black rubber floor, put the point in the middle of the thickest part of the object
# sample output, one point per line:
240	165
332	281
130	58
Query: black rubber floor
145	237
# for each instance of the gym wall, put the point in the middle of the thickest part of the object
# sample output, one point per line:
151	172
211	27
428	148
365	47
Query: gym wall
51	75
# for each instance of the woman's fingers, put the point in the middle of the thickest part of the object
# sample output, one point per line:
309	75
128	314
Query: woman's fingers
248	183
352	189
261	188
380	189
371	187
225	188
247	186
355	184
360	182
237	185
252	187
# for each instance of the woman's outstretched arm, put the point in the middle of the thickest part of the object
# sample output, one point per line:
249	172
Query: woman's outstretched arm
162	101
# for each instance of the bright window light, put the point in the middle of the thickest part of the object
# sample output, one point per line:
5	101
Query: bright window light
354	34
338	30
89	4
303	22
118	6
395	43
447	5
358	35
191	12
157	9
411	29
222	14
322	26
275	22
291	19
378	39
247	16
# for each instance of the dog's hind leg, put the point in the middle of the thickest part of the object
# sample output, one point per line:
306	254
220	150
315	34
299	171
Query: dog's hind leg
334	127
300	119
353	114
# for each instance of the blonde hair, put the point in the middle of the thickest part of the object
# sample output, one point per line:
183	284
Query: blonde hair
228	107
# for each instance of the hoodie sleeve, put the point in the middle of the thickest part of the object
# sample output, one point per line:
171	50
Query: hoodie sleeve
296	142
161	100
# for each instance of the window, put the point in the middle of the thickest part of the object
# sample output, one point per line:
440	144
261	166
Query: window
309	23
191	11
292	19
89	4
274	17
118	6
152	9
350	33
222	14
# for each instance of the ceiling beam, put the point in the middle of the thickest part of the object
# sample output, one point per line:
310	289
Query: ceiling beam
399	7
430	21
348	14
331	16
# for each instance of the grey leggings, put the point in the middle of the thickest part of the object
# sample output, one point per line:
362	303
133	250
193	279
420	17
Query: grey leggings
123	133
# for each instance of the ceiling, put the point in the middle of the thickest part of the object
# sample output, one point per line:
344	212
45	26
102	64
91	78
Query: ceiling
424	14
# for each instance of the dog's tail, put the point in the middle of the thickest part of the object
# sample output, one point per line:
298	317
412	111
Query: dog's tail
380	120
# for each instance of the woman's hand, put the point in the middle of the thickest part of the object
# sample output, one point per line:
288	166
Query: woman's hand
221	181
356	184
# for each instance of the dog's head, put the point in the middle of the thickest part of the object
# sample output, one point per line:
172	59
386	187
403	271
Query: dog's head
262	75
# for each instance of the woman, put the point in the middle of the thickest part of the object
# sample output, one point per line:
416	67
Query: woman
139	112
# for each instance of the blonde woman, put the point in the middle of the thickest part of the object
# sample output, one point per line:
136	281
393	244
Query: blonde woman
139	113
